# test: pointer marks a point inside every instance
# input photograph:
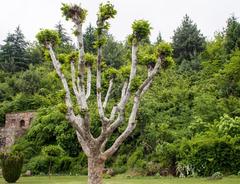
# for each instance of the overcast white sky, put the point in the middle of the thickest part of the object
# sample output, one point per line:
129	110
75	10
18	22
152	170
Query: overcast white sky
164	15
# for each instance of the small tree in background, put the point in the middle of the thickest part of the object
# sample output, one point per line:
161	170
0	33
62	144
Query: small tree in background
14	55
95	147
51	152
188	41
232	38
89	40
159	38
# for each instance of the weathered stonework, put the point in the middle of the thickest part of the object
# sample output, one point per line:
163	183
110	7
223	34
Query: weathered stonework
16	125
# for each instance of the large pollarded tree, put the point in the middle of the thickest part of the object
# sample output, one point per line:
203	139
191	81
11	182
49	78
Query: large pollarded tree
81	72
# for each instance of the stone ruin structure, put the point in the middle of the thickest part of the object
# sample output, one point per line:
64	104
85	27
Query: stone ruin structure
16	125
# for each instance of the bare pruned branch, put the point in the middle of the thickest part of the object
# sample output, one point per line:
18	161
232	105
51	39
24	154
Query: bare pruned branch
132	119
89	82
108	94
81	63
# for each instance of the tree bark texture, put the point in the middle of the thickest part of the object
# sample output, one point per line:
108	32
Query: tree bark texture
95	170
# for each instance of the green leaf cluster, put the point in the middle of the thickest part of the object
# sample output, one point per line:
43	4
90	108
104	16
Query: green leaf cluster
141	30
125	71
165	52
147	55
48	36
73	56
90	59
111	73
106	11
74	12
53	151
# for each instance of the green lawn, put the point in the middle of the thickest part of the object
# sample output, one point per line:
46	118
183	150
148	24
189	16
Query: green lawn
124	180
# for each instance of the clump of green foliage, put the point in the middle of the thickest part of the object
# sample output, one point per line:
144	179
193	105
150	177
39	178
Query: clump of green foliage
48	36
111	73
73	56
74	12
52	152
141	30
106	11
165	51
90	59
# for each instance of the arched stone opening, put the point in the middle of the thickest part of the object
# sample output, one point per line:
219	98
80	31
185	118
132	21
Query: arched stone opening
22	123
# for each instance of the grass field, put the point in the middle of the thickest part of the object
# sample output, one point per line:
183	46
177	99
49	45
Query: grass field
124	180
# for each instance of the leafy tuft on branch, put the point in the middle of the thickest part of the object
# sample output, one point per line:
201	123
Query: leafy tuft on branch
73	56
147	55
165	51
74	13
141	30
90	59
111	73
47	36
106	11
125	71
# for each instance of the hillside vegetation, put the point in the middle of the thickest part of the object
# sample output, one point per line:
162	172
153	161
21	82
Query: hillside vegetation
188	122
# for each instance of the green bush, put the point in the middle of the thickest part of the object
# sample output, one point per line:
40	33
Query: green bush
119	170
79	165
11	164
208	154
65	164
37	165
135	158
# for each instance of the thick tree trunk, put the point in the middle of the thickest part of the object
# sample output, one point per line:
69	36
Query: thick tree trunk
95	170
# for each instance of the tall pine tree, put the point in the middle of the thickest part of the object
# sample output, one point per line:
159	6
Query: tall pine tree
14	55
232	35
188	41
89	40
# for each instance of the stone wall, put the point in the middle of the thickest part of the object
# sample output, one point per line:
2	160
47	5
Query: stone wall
16	125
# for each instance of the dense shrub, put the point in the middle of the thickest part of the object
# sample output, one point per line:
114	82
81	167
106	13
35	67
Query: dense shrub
11	164
119	170
209	154
37	165
135	161
65	164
